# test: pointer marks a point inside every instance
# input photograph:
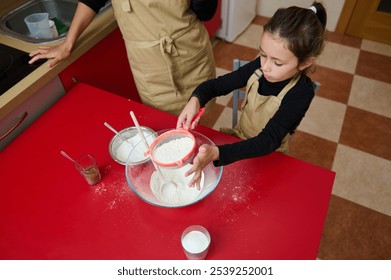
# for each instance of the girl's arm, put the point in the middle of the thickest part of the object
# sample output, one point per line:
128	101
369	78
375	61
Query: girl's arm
285	120
225	84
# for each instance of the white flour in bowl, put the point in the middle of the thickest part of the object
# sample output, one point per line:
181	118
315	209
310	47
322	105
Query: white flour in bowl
175	191
174	150
124	149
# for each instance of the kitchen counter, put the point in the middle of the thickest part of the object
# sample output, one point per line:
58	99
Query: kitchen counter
100	27
271	207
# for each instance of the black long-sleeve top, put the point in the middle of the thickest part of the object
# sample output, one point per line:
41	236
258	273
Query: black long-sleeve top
95	5
291	111
204	9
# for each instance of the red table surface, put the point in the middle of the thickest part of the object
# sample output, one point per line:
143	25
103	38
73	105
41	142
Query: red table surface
272	207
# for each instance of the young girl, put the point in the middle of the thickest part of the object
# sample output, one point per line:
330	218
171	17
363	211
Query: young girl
278	90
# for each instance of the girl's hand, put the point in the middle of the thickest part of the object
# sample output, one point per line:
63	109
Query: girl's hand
206	154
191	109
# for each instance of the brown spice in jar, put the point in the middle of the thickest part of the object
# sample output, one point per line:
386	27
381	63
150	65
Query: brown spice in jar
92	175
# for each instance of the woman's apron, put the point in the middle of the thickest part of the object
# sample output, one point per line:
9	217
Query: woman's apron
258	109
168	48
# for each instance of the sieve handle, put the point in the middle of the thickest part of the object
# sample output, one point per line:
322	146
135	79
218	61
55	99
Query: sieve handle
198	115
146	144
139	130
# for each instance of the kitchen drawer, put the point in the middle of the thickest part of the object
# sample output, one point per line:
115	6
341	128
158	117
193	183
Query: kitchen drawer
20	118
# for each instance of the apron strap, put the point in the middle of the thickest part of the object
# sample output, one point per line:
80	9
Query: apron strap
287	88
166	48
166	42
258	74
126	5
255	77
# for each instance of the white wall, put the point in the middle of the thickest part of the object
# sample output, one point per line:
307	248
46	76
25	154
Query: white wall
333	7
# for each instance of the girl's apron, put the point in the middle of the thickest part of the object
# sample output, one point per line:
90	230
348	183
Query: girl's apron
258	109
168	49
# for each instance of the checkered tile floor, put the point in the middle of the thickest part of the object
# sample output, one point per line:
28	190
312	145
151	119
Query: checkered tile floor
347	129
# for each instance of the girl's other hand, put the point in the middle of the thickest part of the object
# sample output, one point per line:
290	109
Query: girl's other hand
187	114
206	154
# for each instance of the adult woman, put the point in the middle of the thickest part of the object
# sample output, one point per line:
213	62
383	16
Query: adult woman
168	47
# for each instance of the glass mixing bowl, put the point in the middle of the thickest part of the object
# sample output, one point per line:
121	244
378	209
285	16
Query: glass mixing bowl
138	176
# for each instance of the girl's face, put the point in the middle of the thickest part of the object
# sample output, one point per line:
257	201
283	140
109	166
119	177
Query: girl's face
277	61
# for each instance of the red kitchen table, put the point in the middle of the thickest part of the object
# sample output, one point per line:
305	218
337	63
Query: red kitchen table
272	207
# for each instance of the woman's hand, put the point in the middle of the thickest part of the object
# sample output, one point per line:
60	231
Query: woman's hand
54	54
206	154
191	109
82	18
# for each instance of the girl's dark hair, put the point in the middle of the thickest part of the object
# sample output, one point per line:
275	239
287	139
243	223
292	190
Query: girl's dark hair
302	28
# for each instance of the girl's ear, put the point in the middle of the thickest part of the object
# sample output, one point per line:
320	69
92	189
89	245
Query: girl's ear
307	63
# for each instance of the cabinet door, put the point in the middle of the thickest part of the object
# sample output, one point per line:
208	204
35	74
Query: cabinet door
371	19
27	112
104	66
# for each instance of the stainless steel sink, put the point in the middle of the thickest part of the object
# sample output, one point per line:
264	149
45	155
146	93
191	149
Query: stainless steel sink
12	24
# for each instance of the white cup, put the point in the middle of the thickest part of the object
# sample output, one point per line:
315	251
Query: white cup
38	25
53	29
195	242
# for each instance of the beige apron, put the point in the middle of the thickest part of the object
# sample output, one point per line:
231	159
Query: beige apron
258	109
168	48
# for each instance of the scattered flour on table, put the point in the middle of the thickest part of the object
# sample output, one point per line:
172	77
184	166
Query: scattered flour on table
175	191
236	195
173	150
114	194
